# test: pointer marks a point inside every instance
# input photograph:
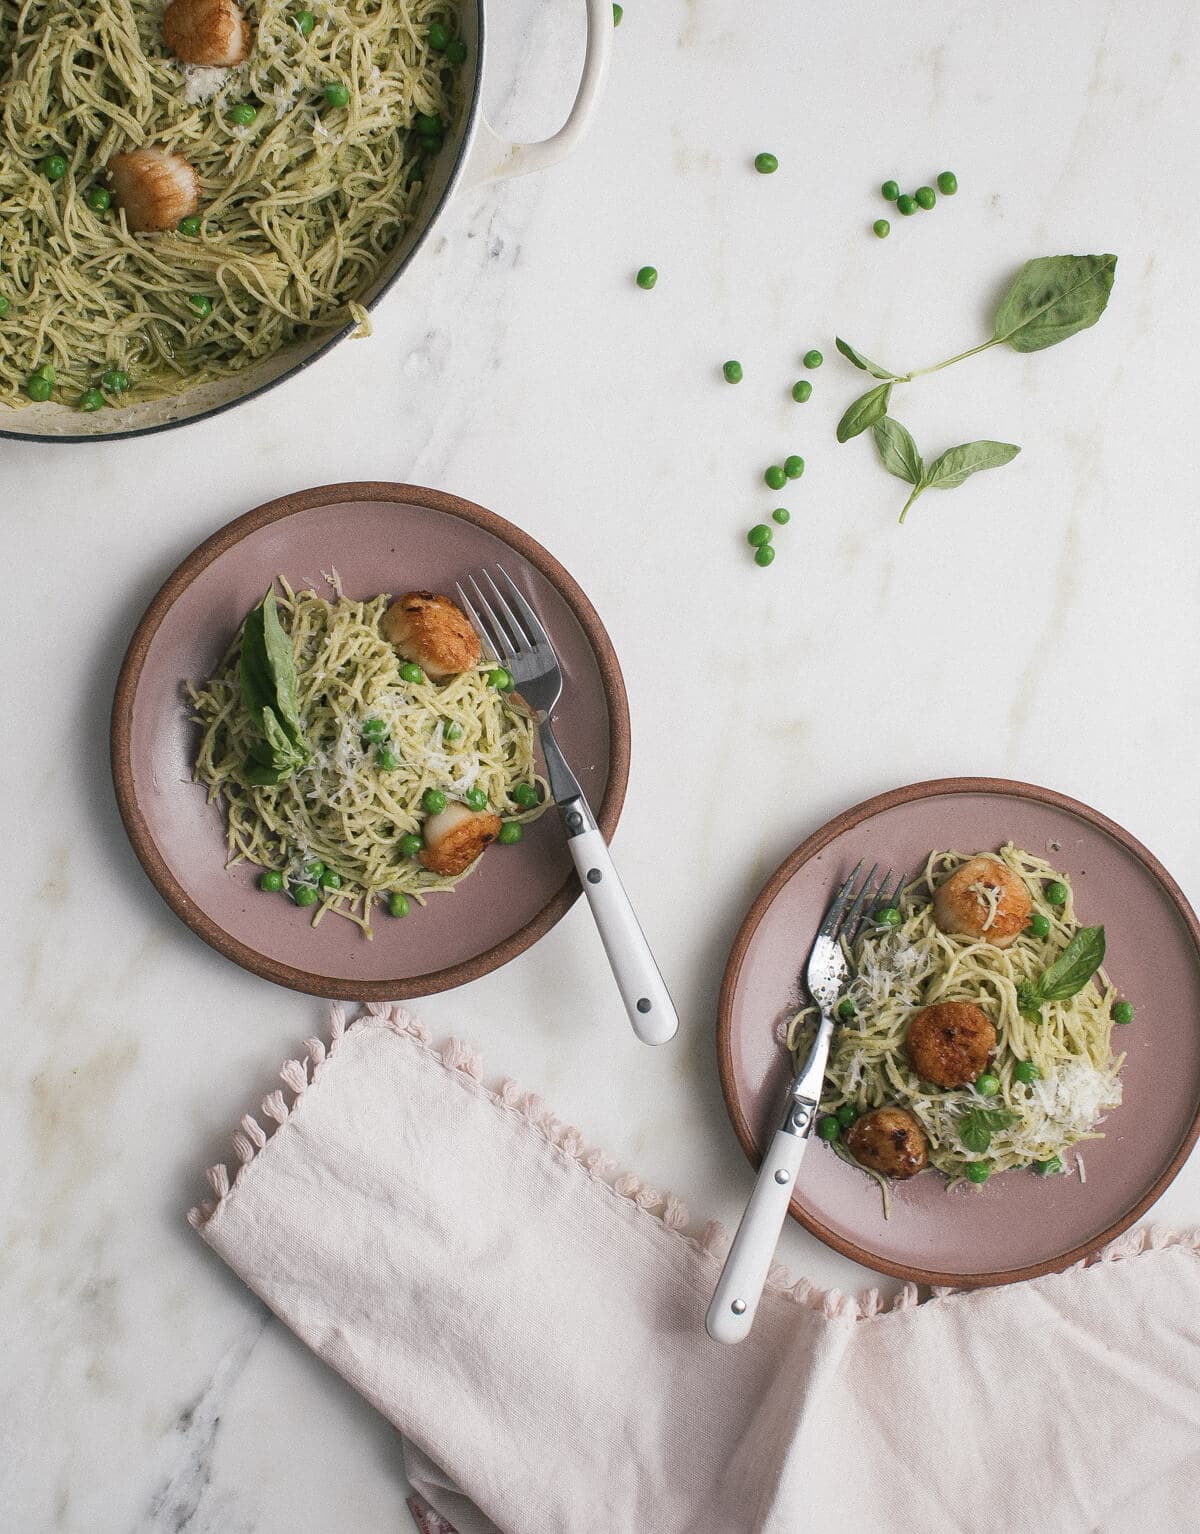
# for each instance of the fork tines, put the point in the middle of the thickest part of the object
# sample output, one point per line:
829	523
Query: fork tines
513	632
848	910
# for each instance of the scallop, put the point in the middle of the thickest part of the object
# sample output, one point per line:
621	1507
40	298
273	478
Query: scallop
456	836
156	189
889	1140
433	631
983	899
214	33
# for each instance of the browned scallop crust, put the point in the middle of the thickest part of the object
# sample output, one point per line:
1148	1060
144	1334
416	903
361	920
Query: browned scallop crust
889	1140
454	852
951	1043
154	188
433	631
210	32
959	909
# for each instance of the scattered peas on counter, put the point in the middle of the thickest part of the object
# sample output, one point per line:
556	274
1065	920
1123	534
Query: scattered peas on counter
733	372
793	466
925	197
764	556
765	164
758	535
801	391
882	228
906	204
781	515
813	359
647	276
947	183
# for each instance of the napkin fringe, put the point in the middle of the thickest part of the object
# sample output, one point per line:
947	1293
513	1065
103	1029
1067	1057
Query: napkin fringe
300	1075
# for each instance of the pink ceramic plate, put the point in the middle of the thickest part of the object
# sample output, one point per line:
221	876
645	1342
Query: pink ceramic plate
1017	1225
379	537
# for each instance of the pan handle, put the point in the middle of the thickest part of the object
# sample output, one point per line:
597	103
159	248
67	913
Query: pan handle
494	158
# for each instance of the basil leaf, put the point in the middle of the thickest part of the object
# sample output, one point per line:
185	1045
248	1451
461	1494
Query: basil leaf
862	362
977	1125
258	685
1029	1001
270	695
1052	298
864	412
897	451
958	463
260	773
283	668
1074	967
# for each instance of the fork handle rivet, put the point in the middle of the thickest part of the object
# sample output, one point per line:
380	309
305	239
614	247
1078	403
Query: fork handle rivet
574	821
738	1307
594	876
643	1004
781	1176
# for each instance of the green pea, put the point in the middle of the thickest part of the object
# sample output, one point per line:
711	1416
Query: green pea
1039	925
54	167
91	399
733	372
510	833
758	535
38	387
398	905
336	95
433	801
525	795
305	894
977	1172
331	880
456	51
775	477
846	1115
647	276
947	183
500	678
987	1085
889	917
99	199
926	197
813	359
410	844
411	672
190	225
202	305
4	305
882	228
429	123
764	556
305	22
46	371
475	799
271	880
313	870
828	1127
793	466
243	114
375	729
453	731
1123	1012
846	1009
1026	1071
801	391
766	164
1048	1168
1056	892
618	12
386	760
115	381
438	37
891	190
781	515
906	204
430	143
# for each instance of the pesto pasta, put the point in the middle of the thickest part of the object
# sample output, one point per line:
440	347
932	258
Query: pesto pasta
299	208
347	808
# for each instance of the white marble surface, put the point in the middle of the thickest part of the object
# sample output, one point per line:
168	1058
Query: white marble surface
1039	623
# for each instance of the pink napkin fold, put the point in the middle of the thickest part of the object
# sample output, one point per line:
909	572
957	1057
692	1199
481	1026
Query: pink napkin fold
533	1324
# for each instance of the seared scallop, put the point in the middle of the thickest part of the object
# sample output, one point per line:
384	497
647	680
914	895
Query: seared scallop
211	32
983	899
888	1140
433	631
456	836
950	1043
155	189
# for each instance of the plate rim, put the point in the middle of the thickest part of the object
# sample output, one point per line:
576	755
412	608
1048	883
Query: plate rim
309	982
855	815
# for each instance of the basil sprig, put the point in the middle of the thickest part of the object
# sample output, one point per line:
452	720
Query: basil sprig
899	456
978	1125
269	693
1067	976
1051	298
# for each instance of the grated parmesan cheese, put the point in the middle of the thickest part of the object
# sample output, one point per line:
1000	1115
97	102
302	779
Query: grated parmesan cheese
201	82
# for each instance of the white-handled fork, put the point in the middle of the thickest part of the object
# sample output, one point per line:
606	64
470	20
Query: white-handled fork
739	1289
515	635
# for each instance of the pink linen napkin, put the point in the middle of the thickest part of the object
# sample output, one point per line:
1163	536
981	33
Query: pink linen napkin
534	1325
